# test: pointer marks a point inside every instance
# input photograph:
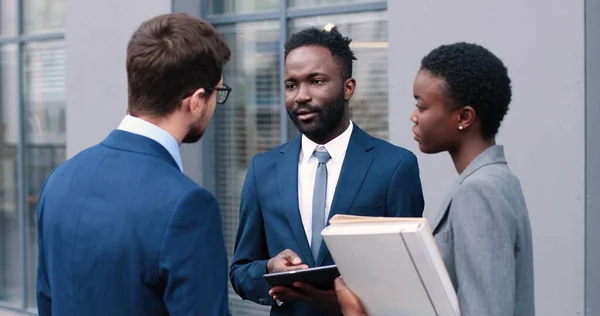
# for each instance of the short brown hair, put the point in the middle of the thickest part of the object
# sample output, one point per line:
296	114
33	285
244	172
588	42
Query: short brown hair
168	58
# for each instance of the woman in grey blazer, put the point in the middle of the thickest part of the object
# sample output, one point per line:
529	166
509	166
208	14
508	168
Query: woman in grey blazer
482	231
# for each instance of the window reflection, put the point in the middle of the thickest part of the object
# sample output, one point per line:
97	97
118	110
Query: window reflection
44	98
316	3
8	13
10	240
43	15
246	125
242	6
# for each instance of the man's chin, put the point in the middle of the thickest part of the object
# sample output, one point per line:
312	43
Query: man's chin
307	126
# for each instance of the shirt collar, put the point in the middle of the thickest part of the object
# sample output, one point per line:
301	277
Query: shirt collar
336	147
143	128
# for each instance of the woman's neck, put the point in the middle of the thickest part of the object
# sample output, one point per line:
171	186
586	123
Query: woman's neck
468	151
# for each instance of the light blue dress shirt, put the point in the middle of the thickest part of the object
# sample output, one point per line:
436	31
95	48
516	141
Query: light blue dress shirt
143	128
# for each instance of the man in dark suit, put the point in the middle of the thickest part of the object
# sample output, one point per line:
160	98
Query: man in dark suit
122	231
334	167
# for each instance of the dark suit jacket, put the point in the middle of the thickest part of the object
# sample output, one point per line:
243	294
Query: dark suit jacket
377	179
122	231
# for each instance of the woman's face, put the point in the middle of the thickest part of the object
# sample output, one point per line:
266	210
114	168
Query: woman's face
436	126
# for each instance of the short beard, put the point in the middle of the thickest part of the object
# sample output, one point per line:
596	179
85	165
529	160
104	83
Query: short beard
327	121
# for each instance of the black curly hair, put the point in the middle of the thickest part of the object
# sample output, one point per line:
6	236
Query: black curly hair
474	77
338	45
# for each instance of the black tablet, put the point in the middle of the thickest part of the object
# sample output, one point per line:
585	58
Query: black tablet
319	277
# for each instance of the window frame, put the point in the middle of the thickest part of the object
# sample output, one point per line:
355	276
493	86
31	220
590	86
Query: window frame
20	39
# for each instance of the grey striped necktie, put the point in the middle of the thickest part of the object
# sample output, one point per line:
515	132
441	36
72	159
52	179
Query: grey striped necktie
319	196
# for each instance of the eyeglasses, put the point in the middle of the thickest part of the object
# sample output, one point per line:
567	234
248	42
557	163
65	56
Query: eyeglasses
222	93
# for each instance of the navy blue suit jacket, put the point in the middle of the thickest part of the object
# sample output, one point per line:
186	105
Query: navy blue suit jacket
377	179
122	231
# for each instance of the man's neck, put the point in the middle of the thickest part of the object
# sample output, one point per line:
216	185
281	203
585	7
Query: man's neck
341	128
167	124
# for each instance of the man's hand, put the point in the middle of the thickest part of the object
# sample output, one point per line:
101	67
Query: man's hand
326	300
286	260
349	302
286	294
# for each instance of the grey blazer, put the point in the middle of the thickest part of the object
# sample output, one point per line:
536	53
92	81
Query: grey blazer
484	236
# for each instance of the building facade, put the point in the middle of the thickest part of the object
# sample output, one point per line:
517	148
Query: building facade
60	94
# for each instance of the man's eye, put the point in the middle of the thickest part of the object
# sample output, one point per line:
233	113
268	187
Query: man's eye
290	86
318	81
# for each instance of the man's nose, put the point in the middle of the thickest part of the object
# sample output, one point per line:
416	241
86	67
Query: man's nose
303	95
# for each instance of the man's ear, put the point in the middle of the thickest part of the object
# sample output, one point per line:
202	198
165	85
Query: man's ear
349	86
196	101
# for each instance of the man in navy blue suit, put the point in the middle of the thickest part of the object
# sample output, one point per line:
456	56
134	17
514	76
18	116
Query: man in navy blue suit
334	167
122	231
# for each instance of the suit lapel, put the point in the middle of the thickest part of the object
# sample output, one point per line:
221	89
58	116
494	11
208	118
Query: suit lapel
357	162
443	210
287	178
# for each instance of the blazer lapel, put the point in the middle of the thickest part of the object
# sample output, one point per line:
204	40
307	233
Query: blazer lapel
357	162
287	178
443	210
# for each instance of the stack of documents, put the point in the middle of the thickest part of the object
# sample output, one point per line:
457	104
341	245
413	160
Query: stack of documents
392	264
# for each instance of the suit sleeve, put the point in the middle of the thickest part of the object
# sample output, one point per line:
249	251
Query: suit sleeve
43	295
484	242
405	194
251	254
193	261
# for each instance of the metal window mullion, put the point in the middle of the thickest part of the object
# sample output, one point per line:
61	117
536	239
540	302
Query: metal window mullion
283	34
208	170
239	18
32	38
21	181
8	39
42	37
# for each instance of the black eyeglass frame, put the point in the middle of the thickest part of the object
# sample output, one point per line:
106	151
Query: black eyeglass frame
223	88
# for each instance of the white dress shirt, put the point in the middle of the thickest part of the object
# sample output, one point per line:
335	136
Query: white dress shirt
307	169
143	128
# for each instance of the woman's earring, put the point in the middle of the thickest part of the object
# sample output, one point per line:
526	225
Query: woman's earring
460	127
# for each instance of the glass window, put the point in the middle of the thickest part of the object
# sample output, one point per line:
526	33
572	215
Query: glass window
43	15
317	3
8	13
368	31
246	125
44	101
10	240
242	6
